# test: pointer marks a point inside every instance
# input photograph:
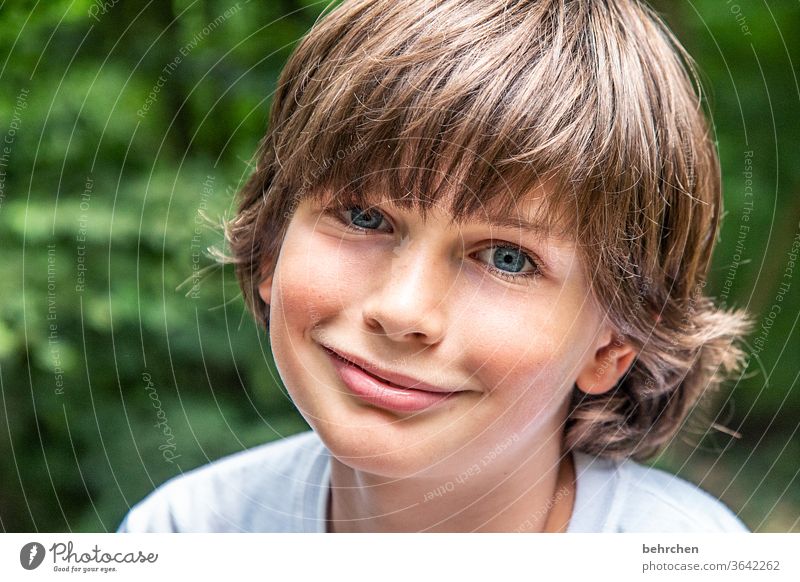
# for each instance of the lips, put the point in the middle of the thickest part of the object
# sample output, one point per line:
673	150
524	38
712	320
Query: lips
393	379
388	393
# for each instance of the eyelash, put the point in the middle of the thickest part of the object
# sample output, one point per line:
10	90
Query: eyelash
528	277
335	210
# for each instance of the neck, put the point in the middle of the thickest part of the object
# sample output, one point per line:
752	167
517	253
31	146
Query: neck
534	493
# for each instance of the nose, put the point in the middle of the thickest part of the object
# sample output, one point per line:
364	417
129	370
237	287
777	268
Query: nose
407	303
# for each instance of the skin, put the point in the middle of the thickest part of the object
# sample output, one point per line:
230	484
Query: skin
420	297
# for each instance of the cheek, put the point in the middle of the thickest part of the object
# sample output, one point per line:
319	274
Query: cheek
522	355
513	357
316	278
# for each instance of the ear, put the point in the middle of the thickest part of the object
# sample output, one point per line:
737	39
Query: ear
610	361
265	289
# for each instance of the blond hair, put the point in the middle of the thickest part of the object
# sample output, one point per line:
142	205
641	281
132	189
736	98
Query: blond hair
485	100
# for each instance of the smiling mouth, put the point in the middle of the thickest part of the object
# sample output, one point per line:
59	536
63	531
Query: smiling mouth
410	386
377	391
368	373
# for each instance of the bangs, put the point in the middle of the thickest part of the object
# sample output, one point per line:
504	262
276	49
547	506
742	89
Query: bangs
468	106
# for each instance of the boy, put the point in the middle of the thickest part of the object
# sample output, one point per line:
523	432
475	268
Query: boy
478	235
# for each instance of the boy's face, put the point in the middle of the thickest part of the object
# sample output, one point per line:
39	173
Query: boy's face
420	298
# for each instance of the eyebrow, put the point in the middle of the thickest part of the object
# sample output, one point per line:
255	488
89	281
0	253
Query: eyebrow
542	230
517	222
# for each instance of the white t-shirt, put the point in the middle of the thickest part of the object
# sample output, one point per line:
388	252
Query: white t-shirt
283	486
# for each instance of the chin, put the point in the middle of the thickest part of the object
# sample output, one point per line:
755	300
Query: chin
384	449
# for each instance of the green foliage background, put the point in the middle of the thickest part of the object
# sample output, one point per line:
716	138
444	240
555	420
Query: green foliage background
86	181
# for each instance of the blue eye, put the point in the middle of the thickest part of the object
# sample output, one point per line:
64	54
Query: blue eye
356	219
370	219
509	259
